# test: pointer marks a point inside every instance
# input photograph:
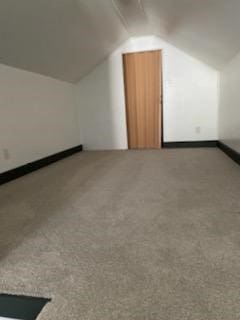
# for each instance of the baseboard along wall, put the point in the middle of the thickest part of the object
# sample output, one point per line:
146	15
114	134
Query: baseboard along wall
38	164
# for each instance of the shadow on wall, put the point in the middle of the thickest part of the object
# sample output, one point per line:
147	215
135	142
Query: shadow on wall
102	107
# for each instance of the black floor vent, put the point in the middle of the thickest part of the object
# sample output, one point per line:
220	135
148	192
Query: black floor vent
21	307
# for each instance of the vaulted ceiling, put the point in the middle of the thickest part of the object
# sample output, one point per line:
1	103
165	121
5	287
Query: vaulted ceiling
65	39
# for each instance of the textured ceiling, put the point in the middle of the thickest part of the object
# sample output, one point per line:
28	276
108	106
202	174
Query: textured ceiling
65	39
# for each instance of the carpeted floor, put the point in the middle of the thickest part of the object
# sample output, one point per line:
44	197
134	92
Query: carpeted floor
128	235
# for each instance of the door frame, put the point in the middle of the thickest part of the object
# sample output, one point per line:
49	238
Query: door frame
162	94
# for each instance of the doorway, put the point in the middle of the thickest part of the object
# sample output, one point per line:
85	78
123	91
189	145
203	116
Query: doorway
143	95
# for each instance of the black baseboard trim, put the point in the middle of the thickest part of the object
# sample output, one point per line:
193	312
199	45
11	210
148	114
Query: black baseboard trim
35	165
38	164
190	144
234	155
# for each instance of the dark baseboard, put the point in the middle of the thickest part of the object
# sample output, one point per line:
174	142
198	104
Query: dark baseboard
32	166
190	144
38	164
234	155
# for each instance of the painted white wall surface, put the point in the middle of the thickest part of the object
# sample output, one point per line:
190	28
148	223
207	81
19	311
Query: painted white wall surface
229	106
37	117
190	98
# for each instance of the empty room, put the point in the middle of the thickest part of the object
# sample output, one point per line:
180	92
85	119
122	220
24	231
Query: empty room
119	160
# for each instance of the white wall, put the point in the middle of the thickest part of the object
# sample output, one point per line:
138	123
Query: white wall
229	106
190	96
37	117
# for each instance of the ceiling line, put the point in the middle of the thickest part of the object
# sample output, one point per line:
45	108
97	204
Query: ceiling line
141	5
120	15
142	8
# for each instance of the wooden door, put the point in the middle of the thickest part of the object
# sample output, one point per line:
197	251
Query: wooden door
142	76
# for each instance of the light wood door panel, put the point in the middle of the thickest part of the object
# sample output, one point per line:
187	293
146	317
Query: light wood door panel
142	76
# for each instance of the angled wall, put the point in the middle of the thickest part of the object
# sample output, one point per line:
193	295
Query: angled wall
190	98
37	117
229	106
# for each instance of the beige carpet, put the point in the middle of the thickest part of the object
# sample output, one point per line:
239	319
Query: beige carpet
128	235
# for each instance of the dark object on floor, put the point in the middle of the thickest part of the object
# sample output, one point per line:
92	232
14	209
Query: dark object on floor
21	307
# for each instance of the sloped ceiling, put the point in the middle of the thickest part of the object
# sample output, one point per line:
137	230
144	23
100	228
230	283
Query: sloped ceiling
65	39
206	29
